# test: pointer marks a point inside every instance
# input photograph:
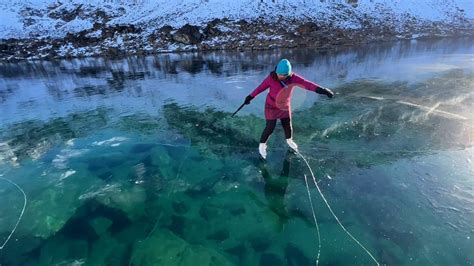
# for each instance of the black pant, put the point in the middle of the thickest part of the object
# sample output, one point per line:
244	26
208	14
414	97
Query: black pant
285	123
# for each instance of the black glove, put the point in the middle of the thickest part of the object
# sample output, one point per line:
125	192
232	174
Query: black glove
326	91
248	99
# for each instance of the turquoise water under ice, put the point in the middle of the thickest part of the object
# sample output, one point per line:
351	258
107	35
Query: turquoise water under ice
138	162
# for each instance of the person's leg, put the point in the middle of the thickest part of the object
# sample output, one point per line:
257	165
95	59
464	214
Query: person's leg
268	130
262	148
286	124
287	127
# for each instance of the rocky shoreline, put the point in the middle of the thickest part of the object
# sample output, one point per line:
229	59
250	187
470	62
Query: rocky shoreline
114	41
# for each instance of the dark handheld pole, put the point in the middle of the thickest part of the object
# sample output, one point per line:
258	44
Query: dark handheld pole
238	110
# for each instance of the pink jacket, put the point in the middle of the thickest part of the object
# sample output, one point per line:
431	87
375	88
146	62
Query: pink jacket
278	102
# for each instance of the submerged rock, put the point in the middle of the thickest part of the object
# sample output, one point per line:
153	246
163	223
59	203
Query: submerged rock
32	139
108	251
130	200
271	259
62	251
47	213
165	248
91	236
212	129
100	225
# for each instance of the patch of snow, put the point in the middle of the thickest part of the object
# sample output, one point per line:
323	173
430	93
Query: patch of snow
76	25
65	49
94	34
119	41
224	28
114	42
10	24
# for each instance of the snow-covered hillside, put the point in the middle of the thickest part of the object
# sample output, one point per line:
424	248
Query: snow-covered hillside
94	27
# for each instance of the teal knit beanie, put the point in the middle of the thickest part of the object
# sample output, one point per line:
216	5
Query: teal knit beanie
283	67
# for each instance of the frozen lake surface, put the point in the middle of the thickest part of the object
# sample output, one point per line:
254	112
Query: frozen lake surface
138	162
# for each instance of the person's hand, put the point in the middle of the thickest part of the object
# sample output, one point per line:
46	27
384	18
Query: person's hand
248	99
328	92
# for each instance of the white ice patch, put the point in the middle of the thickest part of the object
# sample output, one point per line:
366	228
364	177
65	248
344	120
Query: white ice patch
101	192
39	150
61	159
67	174
77	262
140	173
112	142
70	142
7	154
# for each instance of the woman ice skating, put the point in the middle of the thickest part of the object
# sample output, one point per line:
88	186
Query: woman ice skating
278	103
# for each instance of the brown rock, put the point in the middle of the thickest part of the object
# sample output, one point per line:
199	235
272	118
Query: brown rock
66	15
165	33
100	14
188	34
97	26
307	28
214	22
211	31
